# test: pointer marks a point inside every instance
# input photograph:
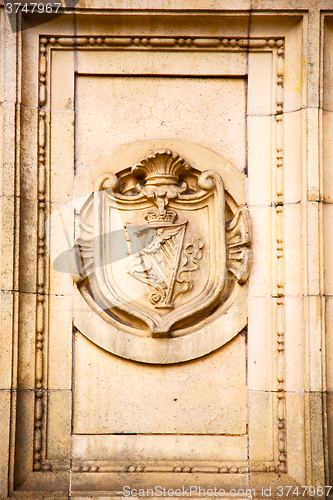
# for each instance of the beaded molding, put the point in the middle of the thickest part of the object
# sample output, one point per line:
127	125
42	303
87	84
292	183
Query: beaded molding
207	469
159	43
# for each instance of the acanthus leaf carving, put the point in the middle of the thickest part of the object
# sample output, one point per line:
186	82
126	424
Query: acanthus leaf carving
238	233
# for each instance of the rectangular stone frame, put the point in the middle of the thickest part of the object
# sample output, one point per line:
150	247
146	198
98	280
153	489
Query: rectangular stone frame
282	40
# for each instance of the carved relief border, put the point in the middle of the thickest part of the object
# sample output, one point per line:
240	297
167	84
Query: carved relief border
41	327
159	43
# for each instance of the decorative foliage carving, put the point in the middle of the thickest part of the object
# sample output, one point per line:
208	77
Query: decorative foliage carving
238	242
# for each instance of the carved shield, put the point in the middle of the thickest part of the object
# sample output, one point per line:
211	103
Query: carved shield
154	249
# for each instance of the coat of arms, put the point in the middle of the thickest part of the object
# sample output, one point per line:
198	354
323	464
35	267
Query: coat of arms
155	248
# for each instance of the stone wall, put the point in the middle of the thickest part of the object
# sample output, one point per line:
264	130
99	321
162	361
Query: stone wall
166	209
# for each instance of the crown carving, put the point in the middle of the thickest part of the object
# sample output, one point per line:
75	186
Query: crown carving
155	218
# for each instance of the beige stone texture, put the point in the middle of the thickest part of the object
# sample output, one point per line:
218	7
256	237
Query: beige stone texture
327	238
7	242
294	240
62	132
261	376
28	187
160	325
135	108
259	153
5	433
25	344
28	239
6	347
329	340
60	236
295	344
327	146
59	428
60	343
160	447
293	177
261	430
260	282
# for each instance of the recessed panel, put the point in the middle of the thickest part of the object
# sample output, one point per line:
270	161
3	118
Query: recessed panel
206	396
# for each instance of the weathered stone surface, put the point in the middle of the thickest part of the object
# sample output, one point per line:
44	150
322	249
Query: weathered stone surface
166	221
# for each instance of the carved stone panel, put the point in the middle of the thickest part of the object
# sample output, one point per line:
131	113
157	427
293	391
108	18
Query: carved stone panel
161	246
162	215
